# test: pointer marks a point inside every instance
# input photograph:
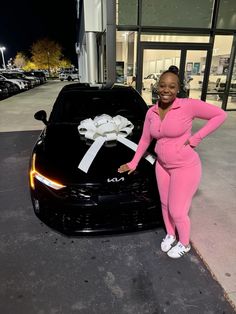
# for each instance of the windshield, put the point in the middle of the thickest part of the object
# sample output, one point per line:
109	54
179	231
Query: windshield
13	75
74	106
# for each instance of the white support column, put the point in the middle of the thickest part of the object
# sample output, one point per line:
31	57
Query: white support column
92	62
83	71
111	41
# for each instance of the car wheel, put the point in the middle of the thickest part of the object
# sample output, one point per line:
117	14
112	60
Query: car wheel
69	78
17	89
62	80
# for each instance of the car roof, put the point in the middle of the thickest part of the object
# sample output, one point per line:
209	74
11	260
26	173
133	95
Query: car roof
93	99
98	86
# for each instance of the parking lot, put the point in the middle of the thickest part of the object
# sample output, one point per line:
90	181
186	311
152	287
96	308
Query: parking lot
44	272
14	81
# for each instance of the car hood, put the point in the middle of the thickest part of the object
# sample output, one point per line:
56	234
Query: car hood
60	148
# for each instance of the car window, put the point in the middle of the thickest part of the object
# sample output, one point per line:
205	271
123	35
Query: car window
74	106
7	75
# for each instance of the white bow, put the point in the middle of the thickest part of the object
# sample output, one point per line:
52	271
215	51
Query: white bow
105	128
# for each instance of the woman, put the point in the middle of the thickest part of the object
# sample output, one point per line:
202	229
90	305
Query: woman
178	166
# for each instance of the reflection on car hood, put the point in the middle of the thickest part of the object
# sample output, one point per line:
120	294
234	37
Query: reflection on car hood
61	148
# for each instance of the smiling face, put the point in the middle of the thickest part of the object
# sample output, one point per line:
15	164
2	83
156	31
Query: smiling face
168	88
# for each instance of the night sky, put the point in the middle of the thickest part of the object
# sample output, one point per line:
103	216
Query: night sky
23	22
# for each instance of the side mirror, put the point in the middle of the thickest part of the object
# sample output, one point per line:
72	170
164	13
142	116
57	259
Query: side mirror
41	115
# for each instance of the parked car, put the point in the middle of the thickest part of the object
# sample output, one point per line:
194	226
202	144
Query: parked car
18	85
75	193
22	84
11	87
39	74
150	80
69	76
31	81
3	92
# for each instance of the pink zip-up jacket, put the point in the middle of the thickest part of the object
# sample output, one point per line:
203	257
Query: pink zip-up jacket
175	129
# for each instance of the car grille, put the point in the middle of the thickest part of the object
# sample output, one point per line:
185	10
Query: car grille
103	220
103	208
89	191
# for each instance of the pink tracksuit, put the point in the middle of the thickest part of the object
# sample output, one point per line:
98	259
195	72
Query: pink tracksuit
178	166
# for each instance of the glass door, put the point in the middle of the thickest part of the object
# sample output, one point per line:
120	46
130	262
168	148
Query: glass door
157	58
194	72
154	63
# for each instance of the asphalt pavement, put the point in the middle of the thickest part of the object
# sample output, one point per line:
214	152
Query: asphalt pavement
45	272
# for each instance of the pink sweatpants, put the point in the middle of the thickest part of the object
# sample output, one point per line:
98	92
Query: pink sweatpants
177	187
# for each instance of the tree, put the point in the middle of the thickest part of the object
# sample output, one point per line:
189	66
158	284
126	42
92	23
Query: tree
46	54
65	63
29	66
20	60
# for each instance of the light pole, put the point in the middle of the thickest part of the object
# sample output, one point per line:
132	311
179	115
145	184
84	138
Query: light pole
3	60
49	71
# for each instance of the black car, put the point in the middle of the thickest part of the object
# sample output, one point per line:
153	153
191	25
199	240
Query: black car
76	193
3	92
11	87
40	75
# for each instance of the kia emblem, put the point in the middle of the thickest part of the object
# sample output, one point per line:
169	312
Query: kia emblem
115	180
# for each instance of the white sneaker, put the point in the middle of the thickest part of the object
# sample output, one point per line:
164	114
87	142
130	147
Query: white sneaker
167	242
178	250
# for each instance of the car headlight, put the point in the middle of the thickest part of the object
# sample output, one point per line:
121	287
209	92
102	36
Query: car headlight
34	174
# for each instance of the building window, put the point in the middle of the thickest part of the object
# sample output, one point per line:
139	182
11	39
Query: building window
126	49
181	13
174	38
219	69
227	15
127	12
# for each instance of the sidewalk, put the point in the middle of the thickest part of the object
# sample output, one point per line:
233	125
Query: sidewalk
214	207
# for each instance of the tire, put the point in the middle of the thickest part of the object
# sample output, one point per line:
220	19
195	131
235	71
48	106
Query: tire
61	80
18	90
69	78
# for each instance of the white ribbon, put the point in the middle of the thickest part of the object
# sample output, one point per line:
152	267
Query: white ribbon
103	129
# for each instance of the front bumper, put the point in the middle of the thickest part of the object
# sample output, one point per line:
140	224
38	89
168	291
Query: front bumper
69	213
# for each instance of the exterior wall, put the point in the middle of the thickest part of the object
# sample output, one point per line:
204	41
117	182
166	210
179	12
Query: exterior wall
90	24
160	19
93	15
96	18
98	21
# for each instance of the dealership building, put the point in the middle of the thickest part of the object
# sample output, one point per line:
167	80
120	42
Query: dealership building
119	40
